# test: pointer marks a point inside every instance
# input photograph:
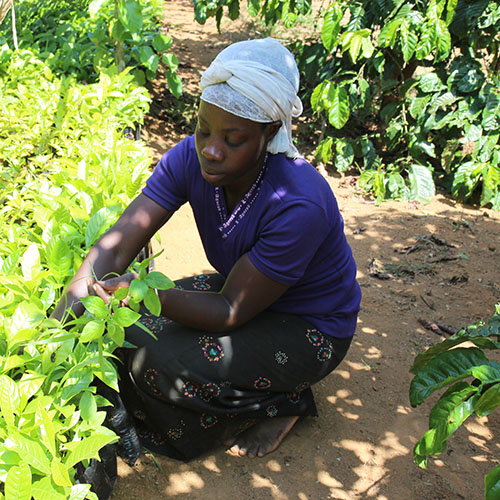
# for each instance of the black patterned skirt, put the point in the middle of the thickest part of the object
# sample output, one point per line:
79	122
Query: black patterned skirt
187	390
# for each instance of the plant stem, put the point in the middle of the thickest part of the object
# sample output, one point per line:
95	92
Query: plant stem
119	45
14	30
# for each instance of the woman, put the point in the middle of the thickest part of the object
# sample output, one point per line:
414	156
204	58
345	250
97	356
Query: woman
237	351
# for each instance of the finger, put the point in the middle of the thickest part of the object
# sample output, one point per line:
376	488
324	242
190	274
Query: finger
100	292
90	288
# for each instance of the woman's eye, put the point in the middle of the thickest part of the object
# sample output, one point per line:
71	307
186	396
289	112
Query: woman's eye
202	132
230	141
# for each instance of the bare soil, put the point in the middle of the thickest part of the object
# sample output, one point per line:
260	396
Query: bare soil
434	263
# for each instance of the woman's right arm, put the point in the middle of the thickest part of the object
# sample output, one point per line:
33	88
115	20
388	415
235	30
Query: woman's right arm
115	250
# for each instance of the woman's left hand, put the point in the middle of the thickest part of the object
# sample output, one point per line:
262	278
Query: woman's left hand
104	288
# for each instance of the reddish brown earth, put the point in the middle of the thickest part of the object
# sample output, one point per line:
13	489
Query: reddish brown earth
360	447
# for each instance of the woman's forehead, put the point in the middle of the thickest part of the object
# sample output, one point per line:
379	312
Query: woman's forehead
215	116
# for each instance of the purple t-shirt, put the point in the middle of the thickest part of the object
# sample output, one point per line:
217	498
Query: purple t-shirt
288	223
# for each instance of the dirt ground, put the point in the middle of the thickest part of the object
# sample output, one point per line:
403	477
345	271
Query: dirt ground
435	262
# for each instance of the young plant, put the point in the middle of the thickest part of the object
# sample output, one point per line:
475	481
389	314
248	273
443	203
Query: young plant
472	383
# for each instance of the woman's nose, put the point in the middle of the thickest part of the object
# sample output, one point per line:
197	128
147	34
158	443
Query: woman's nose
212	151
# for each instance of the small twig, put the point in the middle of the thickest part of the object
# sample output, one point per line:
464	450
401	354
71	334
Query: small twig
450	330
430	305
437	327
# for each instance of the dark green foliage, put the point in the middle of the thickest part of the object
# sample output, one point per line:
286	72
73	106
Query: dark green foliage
473	387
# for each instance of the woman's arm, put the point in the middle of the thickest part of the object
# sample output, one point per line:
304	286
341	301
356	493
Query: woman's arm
246	293
115	250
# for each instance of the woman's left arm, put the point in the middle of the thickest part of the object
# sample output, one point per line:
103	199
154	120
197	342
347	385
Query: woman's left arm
246	293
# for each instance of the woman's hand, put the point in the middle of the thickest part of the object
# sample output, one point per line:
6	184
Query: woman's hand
104	288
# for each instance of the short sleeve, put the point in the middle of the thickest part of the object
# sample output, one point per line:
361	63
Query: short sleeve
168	184
289	240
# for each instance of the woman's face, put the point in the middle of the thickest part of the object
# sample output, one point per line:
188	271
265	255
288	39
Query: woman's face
230	149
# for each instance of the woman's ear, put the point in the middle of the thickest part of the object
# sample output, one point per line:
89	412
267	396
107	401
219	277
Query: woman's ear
272	130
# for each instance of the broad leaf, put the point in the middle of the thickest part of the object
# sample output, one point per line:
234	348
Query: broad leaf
492	484
338	114
422	186
152	302
18	483
92	330
29	450
125	317
444	369
159	281
88	448
331	26
489	401
130	13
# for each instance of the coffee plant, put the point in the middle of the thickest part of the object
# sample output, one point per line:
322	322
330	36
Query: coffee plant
472	383
83	38
406	93
67	172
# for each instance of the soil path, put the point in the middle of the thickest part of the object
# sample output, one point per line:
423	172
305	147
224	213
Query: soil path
360	447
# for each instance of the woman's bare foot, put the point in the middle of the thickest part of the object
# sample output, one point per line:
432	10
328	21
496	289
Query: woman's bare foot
262	438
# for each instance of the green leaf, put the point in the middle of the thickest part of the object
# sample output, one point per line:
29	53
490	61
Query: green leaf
421	183
116	333
9	399
162	42
88	406
46	489
18	483
95	306
171	61
344	155
30	262
88	448
174	83
148	58
447	403
121	294
324	149
152	302
159	281
417	106
130	15
319	96
492	484
430	82
387	36
443	38
29	450
331	26
98	223
95	6
433	442
92	330
125	317
79	492
489	401
138	289
409	40
60	474
48	438
61	259
444	369
338	114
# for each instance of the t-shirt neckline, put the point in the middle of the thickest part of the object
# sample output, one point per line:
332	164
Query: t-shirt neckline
229	223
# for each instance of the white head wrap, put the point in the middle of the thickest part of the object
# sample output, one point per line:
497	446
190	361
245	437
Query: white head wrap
257	80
